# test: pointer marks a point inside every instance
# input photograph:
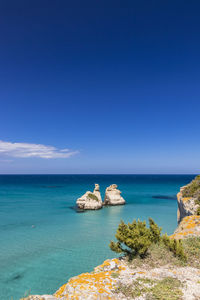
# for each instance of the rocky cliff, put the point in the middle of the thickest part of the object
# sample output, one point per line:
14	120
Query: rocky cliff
186	205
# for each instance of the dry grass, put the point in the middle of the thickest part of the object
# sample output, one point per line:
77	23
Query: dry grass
166	289
192	250
159	255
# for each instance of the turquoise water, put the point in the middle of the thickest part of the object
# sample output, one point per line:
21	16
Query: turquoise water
44	242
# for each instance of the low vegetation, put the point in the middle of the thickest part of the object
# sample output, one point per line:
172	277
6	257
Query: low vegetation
193	190
192	250
167	288
135	239
93	197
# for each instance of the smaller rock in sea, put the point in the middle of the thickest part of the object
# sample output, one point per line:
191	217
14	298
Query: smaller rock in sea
113	196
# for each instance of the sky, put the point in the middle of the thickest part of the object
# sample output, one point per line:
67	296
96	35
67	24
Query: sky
99	87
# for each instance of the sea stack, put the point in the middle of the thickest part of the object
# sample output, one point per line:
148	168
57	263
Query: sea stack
90	200
113	196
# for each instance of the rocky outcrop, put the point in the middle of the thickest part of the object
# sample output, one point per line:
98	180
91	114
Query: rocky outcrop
90	200
186	205
188	227
188	220
113	196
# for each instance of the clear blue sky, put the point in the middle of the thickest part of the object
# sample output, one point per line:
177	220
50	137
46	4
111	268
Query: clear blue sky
115	82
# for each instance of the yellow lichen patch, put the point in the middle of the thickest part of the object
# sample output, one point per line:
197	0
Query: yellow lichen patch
184	199
60	291
98	283
189	226
122	268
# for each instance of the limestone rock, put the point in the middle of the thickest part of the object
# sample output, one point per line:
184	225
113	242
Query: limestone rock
37	297
188	227
92	286
186	205
113	196
90	200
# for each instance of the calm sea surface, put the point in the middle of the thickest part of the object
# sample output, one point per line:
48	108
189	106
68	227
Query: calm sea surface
44	242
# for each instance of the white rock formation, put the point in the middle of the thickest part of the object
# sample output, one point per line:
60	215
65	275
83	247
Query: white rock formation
113	196
90	200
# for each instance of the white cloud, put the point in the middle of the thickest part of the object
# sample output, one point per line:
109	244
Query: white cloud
33	150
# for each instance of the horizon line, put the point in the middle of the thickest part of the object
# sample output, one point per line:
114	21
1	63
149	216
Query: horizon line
64	174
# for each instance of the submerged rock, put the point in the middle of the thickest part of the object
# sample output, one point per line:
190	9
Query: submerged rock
164	197
90	200
113	196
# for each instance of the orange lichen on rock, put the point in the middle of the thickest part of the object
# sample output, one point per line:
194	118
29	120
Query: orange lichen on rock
97	284
189	226
186	199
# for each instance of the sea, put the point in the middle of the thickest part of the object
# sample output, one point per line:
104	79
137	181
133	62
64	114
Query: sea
43	239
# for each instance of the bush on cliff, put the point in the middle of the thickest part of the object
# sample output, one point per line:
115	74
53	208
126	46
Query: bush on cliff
93	197
193	188
134	239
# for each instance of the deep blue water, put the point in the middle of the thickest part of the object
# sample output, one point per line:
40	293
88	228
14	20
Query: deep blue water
44	242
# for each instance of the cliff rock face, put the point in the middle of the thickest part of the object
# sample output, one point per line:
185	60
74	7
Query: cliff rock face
90	200
113	196
186	205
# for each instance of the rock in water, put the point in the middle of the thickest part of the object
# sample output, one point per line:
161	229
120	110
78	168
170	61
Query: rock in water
113	196
90	200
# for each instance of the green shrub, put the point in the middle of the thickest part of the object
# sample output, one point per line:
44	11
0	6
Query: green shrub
92	196
193	188
133	239
174	246
155	231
